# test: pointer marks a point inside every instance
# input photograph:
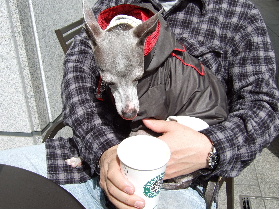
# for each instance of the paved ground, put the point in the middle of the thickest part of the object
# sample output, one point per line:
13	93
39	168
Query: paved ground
260	181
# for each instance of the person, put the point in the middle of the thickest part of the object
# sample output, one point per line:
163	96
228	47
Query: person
229	38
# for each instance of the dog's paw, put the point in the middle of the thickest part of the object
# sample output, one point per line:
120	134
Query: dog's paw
75	162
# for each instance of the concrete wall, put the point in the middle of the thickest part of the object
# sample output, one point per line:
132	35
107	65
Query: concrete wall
31	67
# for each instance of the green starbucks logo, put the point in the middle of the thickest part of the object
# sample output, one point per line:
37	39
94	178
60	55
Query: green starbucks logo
152	187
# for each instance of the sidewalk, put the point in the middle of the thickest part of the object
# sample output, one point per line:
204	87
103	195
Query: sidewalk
270	12
260	181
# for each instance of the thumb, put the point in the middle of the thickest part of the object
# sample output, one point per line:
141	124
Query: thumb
160	126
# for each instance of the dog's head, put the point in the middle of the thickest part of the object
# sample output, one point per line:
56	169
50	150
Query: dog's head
119	52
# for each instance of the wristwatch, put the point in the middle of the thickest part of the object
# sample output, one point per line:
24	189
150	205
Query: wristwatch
213	159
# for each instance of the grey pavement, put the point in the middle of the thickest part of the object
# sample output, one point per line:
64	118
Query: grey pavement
259	183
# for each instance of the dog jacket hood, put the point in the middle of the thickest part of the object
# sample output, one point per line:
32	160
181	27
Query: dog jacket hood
162	41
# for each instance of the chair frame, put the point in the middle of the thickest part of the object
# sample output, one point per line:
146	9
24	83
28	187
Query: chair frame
229	190
65	36
54	128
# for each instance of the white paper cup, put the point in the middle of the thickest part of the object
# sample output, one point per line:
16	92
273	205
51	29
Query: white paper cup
143	161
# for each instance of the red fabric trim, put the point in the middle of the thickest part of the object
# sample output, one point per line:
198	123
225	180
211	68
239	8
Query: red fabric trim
181	50
202	72
132	10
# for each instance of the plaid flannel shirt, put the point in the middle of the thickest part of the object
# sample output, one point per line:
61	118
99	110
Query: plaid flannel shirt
230	38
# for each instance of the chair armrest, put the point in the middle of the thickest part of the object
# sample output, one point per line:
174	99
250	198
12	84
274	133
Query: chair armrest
53	130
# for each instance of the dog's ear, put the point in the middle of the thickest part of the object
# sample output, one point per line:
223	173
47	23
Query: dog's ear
146	28
91	25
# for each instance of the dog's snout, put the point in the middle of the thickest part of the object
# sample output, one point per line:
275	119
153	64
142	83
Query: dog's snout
129	114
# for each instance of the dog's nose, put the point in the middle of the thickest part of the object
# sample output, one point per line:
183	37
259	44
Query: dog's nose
130	114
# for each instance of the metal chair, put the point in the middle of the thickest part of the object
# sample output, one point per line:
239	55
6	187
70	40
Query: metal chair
65	36
54	128
229	190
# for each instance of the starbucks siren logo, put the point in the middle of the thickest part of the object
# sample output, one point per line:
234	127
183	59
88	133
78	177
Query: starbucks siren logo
152	187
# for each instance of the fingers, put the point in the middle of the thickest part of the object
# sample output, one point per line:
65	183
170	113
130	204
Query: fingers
121	199
116	179
160	126
118	189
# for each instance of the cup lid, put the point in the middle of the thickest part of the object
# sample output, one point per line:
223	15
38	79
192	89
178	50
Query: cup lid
143	152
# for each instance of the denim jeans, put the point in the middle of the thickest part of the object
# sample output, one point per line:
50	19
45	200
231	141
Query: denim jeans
33	158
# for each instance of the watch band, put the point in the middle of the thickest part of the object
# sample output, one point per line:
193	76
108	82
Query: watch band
213	159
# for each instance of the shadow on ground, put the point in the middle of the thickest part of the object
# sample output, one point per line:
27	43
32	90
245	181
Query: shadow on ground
274	147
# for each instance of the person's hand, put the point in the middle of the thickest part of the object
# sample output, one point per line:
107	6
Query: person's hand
118	189
189	148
